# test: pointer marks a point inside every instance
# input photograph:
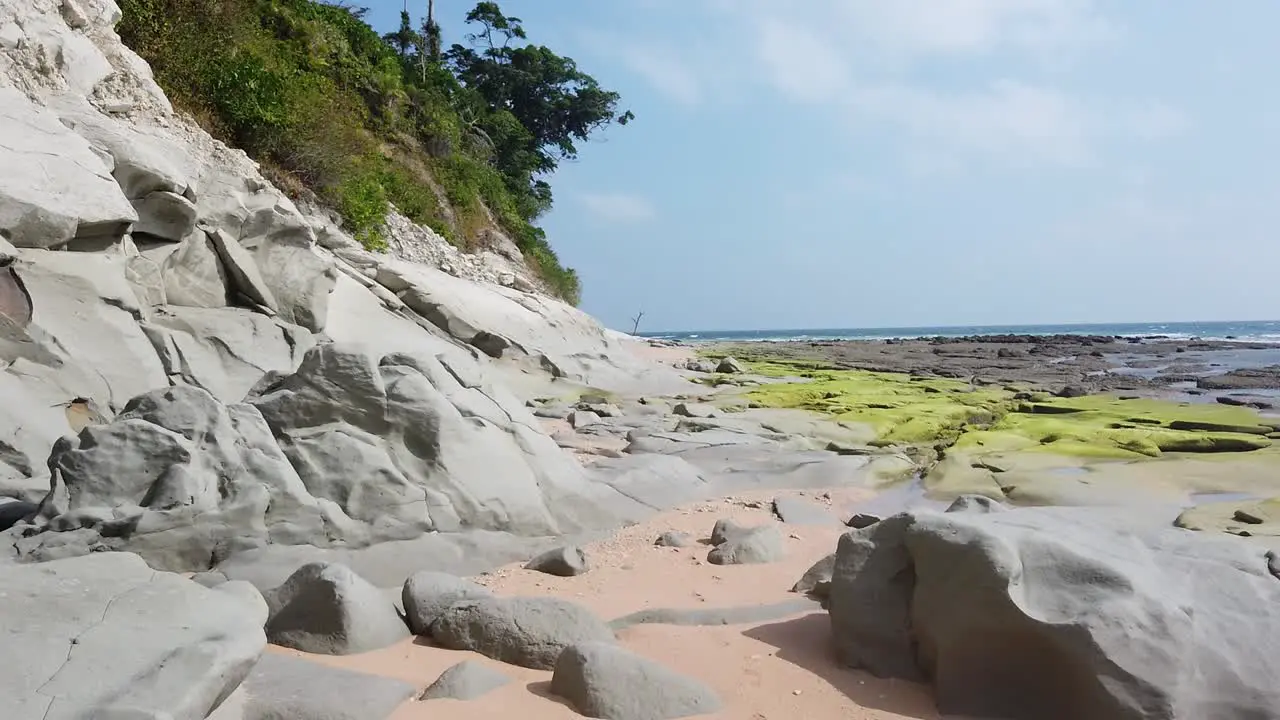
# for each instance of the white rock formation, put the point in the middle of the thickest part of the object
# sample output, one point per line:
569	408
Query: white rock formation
216	370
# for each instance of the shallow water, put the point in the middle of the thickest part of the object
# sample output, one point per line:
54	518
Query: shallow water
907	495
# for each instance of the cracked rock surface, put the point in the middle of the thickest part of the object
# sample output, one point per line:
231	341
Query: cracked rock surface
102	634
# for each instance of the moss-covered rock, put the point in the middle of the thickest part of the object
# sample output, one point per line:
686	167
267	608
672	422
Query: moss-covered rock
907	410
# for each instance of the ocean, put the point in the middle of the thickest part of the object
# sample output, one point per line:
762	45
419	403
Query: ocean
1266	331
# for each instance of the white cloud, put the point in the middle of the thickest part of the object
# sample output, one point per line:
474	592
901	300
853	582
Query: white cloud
666	72
618	207
1016	121
869	61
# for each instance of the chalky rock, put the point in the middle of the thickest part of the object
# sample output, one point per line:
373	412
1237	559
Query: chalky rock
762	544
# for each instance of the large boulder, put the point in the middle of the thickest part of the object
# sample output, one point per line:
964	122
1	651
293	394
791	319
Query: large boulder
1053	614
327	609
427	594
181	479
526	631
54	189
605	681
105	636
440	448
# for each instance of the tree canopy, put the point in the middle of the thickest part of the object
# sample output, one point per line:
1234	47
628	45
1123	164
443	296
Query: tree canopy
456	139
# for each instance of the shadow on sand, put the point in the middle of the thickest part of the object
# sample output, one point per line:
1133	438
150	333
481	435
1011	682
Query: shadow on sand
806	643
542	688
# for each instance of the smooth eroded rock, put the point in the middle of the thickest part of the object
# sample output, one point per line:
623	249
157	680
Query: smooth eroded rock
756	545
526	631
91	636
465	681
1061	613
329	610
565	562
603	680
427	594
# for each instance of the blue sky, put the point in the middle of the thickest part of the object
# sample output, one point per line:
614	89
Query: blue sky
871	163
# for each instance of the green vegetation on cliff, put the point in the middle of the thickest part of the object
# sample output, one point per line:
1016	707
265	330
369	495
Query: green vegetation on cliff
459	139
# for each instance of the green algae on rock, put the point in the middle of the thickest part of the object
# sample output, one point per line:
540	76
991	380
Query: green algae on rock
911	410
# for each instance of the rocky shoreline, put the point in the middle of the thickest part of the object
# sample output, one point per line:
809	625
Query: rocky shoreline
1093	364
250	470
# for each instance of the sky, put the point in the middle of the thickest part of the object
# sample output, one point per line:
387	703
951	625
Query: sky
897	163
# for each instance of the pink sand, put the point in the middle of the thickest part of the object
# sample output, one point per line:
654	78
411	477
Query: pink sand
782	669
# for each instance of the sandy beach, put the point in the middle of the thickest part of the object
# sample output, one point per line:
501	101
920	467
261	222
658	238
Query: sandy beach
777	669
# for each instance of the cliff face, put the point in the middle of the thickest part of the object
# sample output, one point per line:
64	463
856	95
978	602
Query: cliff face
194	366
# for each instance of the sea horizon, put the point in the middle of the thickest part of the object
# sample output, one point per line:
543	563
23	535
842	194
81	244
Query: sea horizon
1262	331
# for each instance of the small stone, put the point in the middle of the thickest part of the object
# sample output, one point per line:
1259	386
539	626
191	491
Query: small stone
567	561
673	540
467	680
1247	517
863	520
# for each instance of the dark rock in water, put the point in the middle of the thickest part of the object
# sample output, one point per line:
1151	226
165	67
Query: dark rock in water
674	539
1072	391
526	631
1247	517
563	562
862	520
1242	379
1061	614
762	544
1009	353
327	609
427	594
467	680
610	682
